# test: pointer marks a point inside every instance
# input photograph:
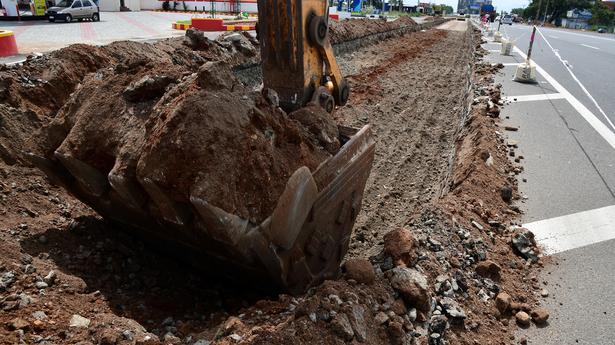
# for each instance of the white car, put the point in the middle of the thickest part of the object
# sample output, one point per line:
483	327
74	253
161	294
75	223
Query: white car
507	19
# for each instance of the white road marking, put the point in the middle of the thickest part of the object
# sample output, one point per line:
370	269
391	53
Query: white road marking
568	68
530	98
588	46
553	37
494	50
576	230
582	35
593	121
512	63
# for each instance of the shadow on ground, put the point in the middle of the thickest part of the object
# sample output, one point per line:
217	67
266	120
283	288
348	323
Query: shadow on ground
138	281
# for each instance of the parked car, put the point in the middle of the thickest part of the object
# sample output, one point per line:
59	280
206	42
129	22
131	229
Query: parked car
507	19
601	30
67	10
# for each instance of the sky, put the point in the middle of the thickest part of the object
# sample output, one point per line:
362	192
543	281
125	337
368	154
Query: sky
500	5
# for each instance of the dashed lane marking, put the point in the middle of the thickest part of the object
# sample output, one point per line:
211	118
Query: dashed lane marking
575	230
588	46
530	98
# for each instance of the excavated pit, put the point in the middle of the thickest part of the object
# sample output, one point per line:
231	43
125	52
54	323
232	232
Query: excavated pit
412	91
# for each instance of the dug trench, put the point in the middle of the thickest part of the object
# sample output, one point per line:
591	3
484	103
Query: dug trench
436	257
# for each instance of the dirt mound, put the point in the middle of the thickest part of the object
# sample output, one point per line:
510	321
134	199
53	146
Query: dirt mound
36	90
351	29
188	134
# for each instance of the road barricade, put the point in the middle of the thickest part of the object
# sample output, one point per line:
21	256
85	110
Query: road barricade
8	44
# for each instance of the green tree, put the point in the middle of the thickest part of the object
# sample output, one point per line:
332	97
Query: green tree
447	9
553	9
517	11
601	15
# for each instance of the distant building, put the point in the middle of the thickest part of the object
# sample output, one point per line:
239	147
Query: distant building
577	19
471	6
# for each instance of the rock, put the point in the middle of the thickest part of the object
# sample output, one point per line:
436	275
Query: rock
202	342
502	302
38	325
522	318
109	336
148	339
272	97
28	269
39	315
399	245
396	330
360	270
520	306
24	300
215	76
438	324
399	307
19	324
540	316
381	318
6	280
128	335
232	324
50	278
477	225
412	314
170	338
506	193
234	37
197	39
524	244
357	321
79	321
452	308
341	326
544	293
412	285
146	88
488	269
41	285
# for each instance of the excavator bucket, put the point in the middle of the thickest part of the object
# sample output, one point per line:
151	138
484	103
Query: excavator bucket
299	245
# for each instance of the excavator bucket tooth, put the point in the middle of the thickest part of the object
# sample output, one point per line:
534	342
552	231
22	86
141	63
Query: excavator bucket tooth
293	208
171	211
220	225
54	171
128	188
91	179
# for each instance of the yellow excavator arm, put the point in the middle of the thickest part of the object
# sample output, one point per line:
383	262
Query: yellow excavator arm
297	57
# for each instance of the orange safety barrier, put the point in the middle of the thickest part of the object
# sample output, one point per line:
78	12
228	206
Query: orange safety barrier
179	26
8	45
213	24
208	24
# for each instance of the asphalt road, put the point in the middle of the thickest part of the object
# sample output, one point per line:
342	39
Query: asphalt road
590	55
569	179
